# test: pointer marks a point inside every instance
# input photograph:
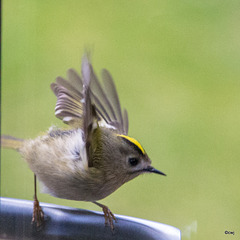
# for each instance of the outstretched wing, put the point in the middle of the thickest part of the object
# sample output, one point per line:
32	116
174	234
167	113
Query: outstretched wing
69	107
81	98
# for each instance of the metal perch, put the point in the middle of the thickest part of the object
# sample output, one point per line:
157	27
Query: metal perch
71	223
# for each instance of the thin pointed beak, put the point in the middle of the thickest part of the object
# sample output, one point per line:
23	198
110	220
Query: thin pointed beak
153	170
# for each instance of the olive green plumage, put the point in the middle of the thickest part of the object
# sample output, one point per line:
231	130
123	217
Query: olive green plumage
95	156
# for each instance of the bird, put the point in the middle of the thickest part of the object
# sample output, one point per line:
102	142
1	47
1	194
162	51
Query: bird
93	156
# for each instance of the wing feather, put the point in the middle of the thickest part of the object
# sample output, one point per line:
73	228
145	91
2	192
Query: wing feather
111	91
75	80
98	91
125	121
81	98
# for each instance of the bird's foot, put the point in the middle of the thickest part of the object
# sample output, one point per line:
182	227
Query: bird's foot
38	214
108	215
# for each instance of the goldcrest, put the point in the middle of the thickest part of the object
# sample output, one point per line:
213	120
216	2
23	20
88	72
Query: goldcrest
95	156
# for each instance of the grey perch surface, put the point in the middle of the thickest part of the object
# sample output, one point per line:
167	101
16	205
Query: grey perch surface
71	223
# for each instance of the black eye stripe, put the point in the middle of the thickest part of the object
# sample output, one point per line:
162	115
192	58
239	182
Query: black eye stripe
133	145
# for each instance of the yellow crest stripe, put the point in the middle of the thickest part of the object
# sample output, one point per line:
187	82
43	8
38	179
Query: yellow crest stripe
134	141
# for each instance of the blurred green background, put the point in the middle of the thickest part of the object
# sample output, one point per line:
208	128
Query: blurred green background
176	67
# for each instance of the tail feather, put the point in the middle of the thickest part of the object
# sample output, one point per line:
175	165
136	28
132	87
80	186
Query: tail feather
11	142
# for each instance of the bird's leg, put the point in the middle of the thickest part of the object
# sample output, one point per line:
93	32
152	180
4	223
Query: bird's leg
38	215
108	215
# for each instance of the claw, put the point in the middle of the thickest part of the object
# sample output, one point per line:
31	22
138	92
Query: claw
108	215
38	214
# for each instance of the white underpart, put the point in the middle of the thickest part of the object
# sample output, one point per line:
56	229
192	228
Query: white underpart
57	158
51	151
75	142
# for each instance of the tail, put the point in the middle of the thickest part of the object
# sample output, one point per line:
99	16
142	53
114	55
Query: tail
11	142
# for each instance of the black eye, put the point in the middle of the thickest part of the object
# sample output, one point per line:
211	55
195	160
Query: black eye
133	161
